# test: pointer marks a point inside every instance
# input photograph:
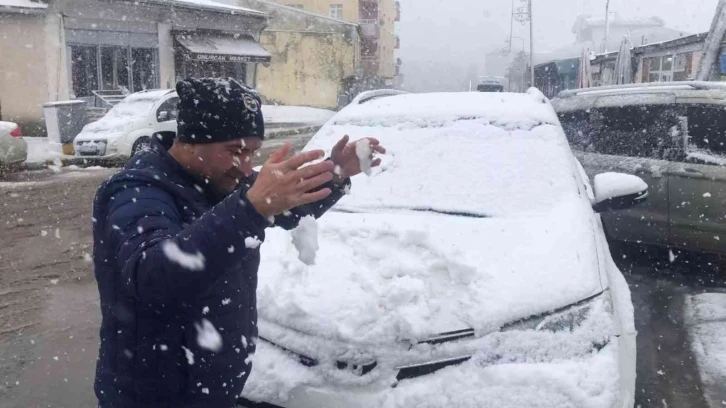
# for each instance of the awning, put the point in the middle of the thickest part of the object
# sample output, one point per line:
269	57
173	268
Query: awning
219	48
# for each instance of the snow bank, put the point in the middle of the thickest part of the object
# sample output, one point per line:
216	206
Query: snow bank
705	317
296	114
40	150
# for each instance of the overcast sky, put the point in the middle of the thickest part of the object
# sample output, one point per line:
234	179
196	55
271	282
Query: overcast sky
442	37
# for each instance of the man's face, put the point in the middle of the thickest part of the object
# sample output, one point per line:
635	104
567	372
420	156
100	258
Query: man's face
224	164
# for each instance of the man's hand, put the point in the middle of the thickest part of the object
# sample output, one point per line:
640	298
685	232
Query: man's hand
283	184
347	161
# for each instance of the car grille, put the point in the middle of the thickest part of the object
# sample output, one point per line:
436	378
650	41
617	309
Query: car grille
91	148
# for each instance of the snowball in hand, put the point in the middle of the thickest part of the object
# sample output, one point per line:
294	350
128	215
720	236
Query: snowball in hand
305	239
363	150
208	337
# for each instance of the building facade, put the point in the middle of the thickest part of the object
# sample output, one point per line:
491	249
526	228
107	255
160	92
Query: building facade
314	57
79	49
377	19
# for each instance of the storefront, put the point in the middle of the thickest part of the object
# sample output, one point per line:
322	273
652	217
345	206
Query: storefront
155	43
214	54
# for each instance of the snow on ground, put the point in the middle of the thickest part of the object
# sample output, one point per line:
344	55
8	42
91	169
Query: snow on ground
706	322
296	114
40	150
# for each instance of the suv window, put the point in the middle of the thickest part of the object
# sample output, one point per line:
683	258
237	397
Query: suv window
706	135
170	107
633	131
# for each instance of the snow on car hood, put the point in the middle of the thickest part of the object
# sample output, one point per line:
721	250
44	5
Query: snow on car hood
405	276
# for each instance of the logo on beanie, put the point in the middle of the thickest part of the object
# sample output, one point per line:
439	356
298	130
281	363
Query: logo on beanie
251	103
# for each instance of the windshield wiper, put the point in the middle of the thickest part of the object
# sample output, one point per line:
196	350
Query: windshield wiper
417	209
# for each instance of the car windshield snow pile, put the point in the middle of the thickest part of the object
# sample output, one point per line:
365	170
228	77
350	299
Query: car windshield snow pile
461	154
120	116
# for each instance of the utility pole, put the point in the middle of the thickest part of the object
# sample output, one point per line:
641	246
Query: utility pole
531	44
524	15
607	25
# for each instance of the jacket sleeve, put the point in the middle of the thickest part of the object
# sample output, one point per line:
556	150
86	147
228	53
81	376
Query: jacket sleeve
317	209
162	259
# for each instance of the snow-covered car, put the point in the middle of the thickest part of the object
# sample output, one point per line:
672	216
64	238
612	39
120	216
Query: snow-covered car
13	148
469	270
129	126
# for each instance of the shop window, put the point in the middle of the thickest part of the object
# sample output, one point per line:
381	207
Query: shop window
667	68
336	11
143	66
114	68
84	70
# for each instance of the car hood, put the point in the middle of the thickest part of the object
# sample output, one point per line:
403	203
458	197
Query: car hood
381	277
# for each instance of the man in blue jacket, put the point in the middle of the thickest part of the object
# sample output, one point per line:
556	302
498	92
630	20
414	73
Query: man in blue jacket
176	249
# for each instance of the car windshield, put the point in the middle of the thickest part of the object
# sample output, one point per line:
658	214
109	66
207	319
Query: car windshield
133	106
467	165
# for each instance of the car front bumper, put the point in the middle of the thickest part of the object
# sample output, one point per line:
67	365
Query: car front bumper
599	379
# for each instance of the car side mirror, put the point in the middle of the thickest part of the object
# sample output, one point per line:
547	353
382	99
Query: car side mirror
618	191
162	116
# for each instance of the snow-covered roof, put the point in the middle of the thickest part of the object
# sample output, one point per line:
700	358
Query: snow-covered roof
639	37
218	5
209	5
584	22
22	5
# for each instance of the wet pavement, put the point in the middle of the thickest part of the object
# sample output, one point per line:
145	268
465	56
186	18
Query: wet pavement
49	312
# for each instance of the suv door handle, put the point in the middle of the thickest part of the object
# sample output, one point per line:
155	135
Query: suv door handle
692	173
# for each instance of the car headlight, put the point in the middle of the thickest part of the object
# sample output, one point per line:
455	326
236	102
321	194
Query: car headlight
597	309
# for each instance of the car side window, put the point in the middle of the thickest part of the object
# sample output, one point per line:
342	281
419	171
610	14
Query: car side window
706	139
632	131
170	109
578	129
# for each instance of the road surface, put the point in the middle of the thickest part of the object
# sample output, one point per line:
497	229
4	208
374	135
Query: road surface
49	312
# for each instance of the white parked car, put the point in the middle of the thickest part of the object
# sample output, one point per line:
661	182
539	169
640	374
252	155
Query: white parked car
469	270
129	126
13	149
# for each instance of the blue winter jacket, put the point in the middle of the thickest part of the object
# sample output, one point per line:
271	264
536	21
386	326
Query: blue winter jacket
168	253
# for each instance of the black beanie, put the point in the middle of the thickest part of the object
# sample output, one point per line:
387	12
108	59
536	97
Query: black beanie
217	110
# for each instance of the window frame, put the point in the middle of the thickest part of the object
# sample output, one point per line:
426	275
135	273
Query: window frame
335	11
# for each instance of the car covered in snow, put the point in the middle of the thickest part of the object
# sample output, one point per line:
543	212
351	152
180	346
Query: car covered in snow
129	126
672	135
470	269
13	149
